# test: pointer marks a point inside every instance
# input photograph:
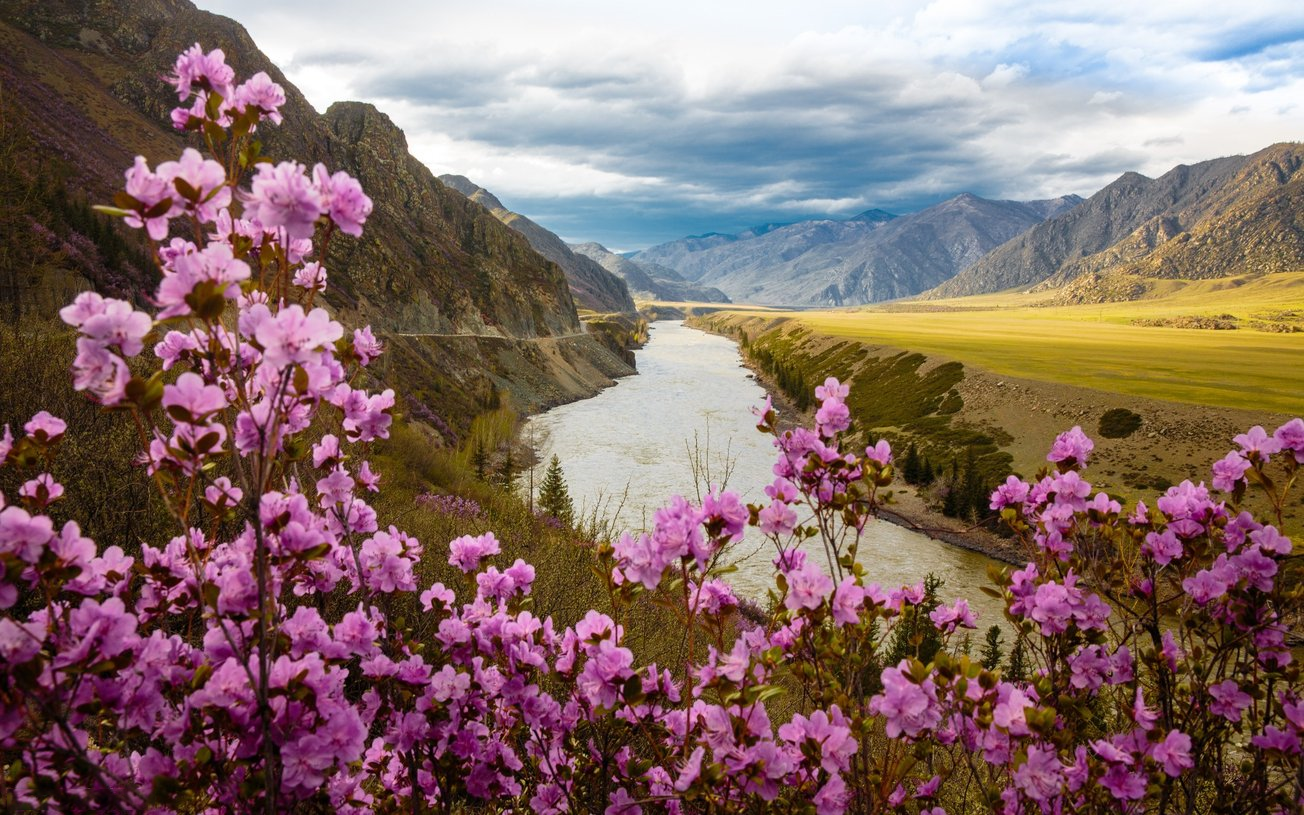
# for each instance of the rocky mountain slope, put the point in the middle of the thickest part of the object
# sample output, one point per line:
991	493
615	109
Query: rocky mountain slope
1213	219
592	286
81	84
872	257
650	281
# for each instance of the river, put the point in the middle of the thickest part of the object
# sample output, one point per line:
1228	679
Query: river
628	449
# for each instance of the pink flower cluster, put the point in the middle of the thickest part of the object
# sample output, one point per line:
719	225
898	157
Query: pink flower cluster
279	652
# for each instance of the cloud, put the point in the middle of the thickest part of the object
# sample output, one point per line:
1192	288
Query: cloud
631	124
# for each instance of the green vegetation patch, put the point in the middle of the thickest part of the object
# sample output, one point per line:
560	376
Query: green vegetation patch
1119	423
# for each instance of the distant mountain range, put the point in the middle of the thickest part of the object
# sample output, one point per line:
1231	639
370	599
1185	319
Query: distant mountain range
592	286
650	281
872	257
1227	216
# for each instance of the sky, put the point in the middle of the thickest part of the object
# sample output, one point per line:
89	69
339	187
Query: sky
631	124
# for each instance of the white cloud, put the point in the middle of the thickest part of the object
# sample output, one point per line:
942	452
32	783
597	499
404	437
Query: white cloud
773	106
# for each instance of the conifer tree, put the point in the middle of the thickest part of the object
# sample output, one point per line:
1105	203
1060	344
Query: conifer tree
554	497
991	654
1017	668
507	470
479	460
910	470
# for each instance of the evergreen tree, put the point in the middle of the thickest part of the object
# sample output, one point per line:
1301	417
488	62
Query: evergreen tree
507	470
991	654
479	460
554	497
926	474
1017	668
915	634
910	469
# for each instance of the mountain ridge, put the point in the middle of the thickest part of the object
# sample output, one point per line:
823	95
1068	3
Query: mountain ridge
592	286
1210	219
870	257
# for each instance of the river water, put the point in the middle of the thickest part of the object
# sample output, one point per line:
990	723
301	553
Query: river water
626	451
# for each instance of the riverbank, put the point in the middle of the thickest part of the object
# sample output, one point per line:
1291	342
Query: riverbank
908	509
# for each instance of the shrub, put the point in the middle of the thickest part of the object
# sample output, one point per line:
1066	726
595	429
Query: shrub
1119	423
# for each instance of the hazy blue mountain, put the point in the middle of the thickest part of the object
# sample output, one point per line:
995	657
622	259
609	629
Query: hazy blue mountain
649	280
871	257
592	286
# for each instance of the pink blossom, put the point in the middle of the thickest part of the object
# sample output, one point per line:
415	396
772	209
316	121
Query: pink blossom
1229	471
365	345
777	519
1229	701
343	199
261	93
118	324
205	178
1174	753
1162	547
292	337
1278	740
1257	443
880	453
946	618
1041	775
807	587
45	427
43	490
311	276
1012	493
283	196
196	70
1071	448
832	389
190	400
467	551
908	707
368	479
215	265
847	602
151	191
1290	436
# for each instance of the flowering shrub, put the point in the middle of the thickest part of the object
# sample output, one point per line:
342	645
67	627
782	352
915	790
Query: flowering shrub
265	658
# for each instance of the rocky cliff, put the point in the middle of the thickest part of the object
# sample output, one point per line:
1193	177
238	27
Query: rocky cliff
81	87
593	287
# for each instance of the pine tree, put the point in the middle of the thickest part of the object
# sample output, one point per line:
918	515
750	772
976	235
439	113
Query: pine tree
991	654
554	497
1017	668
910	467
915	635
507	470
479	460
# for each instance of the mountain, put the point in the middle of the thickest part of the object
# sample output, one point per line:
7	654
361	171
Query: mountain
461	299
871	257
1213	219
650	280
592	286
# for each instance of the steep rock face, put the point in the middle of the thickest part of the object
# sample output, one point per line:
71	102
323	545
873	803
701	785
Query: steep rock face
82	83
649	281
592	286
872	257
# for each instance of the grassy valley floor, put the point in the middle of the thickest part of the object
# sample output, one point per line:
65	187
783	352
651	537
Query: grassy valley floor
1032	368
